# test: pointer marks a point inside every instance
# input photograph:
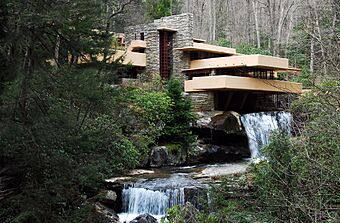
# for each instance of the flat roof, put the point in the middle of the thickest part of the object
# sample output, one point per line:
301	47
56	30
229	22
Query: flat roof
234	83
137	44
197	40
203	47
256	61
167	29
131	58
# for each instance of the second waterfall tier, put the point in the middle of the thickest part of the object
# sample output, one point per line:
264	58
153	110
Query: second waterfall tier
155	196
260	126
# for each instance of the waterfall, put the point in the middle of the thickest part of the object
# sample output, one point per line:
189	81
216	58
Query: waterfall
259	127
141	201
155	196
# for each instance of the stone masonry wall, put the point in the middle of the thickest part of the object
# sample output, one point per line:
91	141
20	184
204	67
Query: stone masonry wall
202	101
183	23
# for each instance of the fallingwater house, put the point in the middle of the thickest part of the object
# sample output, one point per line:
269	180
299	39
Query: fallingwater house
215	78
218	80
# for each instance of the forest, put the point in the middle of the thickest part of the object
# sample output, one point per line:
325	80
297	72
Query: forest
66	127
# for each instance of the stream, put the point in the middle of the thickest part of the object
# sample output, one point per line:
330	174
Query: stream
154	191
157	190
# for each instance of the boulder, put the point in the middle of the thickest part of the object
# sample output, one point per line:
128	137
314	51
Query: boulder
218	171
210	153
137	172
229	122
204	119
159	156
108	197
102	214
144	218
170	155
222	138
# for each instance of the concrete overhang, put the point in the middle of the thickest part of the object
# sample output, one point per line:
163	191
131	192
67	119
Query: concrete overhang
137	44
197	40
132	58
255	61
167	29
203	47
234	83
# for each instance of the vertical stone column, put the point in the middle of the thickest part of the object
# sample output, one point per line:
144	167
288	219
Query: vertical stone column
183	37
152	51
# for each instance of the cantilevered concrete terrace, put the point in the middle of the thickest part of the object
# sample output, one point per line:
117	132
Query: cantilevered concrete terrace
255	73
137	46
254	61
132	58
203	47
234	83
134	55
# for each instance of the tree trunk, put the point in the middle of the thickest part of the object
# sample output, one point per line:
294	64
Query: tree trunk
290	28
258	38
213	20
57	48
317	26
312	53
28	74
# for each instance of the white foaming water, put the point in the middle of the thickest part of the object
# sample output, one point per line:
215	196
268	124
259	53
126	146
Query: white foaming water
153	197
259	127
127	217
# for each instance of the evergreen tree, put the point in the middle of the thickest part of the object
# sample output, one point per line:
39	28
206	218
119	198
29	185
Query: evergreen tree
177	126
156	9
60	134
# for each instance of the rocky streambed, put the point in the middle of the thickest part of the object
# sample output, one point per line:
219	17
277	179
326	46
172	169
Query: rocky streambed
144	195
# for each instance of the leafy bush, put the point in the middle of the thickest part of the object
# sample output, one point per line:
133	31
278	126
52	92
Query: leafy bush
296	182
167	115
153	106
77	131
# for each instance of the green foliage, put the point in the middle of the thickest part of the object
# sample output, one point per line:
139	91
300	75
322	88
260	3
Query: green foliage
64	126
156	9
304	77
222	208
330	84
223	42
296	181
248	49
28	216
153	106
242	48
177	126
72	141
168	115
173	148
175	214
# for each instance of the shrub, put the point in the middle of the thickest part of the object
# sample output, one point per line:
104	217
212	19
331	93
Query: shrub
296	182
177	126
